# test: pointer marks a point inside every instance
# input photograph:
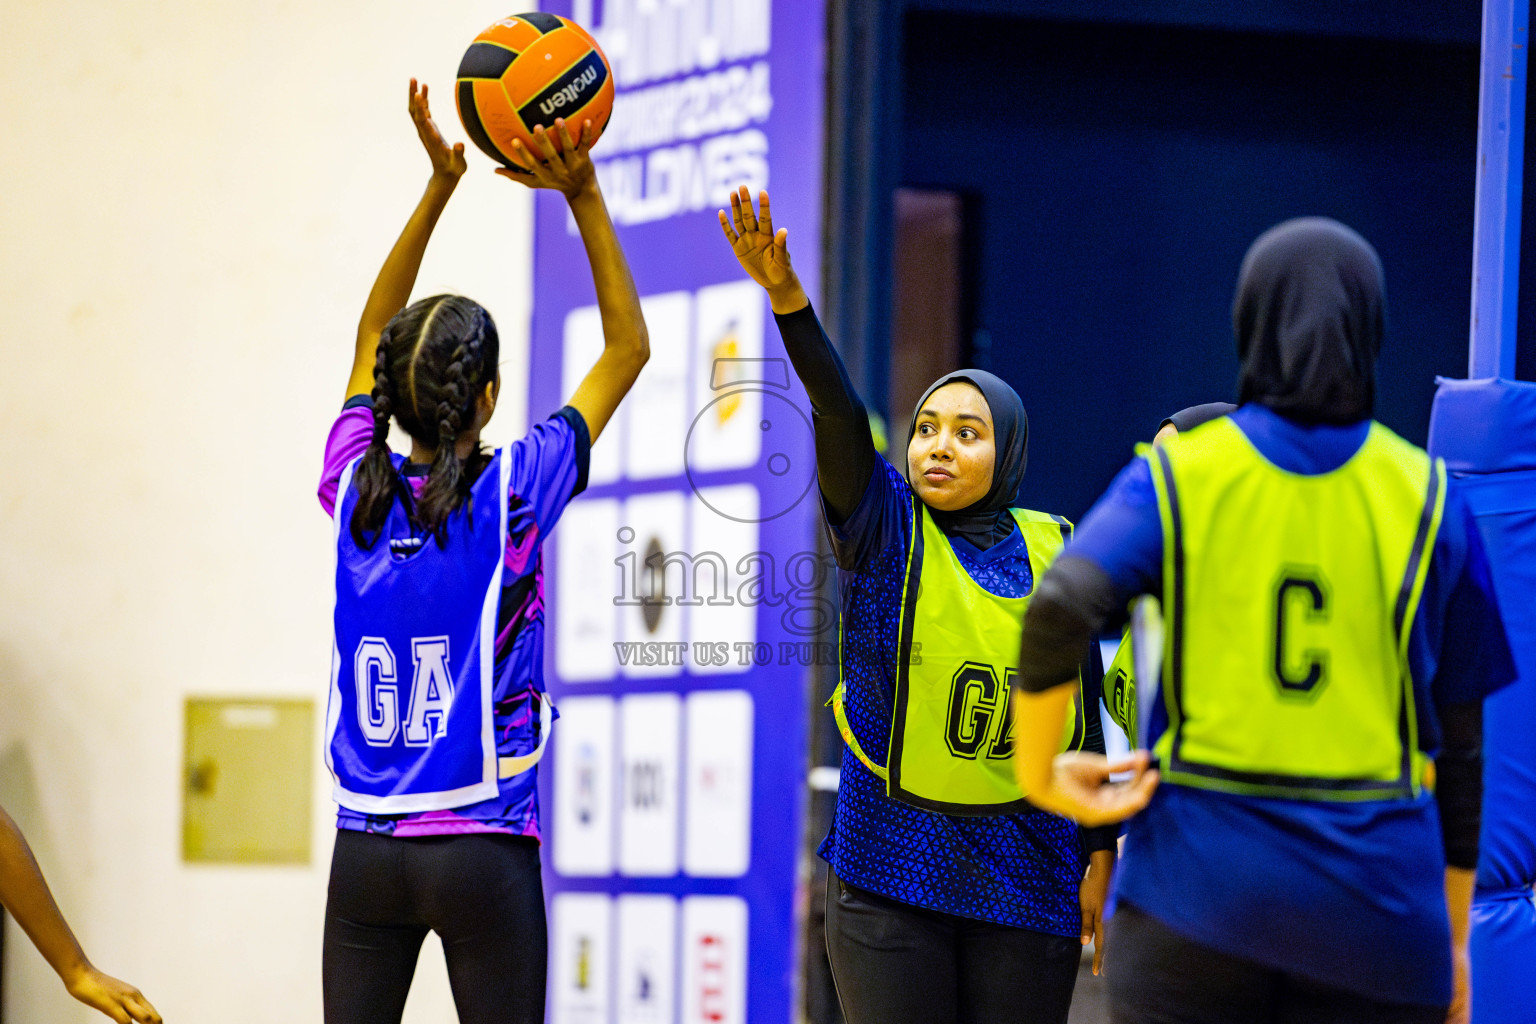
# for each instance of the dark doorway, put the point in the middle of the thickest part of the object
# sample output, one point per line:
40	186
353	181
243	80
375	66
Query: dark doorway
927	298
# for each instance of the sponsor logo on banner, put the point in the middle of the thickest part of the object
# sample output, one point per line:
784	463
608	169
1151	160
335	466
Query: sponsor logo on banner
580	950
726	351
744	415
648	821
714	977
649	581
646	959
717	836
586	785
729	372
583	827
714	950
653	586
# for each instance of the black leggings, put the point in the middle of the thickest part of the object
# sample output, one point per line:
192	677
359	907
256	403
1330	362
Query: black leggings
482	894
896	962
1160	977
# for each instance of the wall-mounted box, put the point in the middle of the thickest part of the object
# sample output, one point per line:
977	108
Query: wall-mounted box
247	783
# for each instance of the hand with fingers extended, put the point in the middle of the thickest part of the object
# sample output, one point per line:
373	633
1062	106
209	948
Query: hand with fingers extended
762	252
567	169
117	999
447	161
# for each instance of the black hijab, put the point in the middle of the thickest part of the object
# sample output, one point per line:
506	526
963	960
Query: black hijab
1196	415
987	521
1309	315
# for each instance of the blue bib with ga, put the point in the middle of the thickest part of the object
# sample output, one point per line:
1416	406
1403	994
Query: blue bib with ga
409	724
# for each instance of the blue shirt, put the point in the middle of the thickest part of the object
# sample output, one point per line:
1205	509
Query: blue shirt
1348	895
1022	870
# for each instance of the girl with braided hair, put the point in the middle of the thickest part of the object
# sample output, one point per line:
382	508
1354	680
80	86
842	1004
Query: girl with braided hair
437	712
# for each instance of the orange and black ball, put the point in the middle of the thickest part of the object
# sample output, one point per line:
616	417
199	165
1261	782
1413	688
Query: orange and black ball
527	70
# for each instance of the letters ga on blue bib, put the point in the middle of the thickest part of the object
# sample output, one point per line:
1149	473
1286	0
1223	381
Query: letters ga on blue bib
409	724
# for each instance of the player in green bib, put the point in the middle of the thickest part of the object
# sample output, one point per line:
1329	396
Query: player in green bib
1330	633
951	899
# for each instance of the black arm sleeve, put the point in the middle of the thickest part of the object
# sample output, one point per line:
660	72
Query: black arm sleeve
1102	837
845	449
1066	612
1459	783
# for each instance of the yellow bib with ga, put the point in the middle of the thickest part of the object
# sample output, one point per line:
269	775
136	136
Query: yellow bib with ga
1120	688
951	742
1289	601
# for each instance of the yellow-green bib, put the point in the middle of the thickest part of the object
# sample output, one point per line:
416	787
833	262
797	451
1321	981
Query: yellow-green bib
951	742
1289	601
1120	688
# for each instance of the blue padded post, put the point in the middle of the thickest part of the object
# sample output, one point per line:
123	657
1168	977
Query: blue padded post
1486	432
1500	156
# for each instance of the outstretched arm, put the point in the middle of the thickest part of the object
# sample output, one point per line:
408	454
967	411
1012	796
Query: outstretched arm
392	288
626	345
845	450
25	894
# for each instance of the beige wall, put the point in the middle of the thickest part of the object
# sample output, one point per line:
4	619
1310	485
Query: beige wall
194	197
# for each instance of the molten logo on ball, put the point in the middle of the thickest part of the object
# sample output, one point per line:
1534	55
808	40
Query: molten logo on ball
587	73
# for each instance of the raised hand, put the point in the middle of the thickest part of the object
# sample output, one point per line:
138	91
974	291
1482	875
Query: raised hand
567	169
117	999
447	161
763	254
392	288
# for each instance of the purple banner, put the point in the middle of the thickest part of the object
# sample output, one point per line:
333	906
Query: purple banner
685	598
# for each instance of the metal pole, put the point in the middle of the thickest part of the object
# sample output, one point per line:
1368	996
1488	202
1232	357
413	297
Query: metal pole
1500	159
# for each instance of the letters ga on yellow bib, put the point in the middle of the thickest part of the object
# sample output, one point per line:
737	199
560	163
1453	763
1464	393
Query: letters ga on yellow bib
951	742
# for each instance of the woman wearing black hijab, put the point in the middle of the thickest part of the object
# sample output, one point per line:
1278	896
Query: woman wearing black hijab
1330	627
950	899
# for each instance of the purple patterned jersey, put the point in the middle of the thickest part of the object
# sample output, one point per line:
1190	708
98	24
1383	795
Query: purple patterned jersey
549	467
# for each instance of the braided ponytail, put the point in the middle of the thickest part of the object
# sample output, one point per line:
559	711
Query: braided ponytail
450	477
376	479
435	358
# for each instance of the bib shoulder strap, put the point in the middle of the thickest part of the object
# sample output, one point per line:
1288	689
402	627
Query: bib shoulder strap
1044	534
1025	515
1403	454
